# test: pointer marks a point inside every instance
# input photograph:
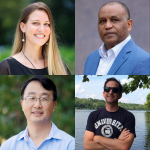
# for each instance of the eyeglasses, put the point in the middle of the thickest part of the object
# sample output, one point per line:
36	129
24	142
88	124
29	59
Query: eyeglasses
114	90
43	100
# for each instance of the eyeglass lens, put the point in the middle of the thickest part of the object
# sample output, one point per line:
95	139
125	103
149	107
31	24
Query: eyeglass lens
114	90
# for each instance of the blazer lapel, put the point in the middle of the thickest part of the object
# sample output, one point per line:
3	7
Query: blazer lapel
121	58
95	64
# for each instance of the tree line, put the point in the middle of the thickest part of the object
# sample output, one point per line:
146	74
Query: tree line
90	103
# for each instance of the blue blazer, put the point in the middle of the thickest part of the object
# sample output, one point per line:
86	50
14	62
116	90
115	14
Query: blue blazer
131	60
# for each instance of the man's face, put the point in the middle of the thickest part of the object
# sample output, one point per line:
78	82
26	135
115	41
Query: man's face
113	25
110	97
37	112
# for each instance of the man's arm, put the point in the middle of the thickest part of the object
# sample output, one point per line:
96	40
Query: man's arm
115	144
89	144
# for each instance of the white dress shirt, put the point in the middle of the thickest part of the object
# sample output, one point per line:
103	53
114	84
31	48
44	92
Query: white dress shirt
108	56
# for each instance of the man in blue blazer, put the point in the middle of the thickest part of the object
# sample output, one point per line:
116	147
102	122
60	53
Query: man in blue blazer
118	55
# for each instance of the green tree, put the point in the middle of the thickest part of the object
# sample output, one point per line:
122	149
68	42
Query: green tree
138	81
147	103
98	104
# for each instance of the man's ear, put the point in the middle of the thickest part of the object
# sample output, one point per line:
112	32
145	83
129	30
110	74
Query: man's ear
54	105
130	24
22	26
103	94
21	101
120	95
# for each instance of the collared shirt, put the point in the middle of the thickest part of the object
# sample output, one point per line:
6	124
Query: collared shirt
105	62
56	140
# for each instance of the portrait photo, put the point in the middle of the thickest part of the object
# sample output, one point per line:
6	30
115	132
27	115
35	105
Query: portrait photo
38	37
88	39
37	111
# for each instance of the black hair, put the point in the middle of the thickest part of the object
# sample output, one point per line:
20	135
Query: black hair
47	84
114	79
123	5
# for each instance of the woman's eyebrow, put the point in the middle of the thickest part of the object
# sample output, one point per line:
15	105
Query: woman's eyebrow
39	20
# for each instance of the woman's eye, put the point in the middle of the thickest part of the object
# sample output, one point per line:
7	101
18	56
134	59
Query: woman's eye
35	23
47	24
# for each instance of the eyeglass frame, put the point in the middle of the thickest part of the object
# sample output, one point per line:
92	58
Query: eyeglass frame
111	88
37	98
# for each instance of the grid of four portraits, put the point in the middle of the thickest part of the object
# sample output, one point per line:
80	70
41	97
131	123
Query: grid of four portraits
76	76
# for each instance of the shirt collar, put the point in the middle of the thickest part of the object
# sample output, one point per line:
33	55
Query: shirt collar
116	49
54	133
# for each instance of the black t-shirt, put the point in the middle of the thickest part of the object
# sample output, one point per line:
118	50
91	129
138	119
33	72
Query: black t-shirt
110	124
10	66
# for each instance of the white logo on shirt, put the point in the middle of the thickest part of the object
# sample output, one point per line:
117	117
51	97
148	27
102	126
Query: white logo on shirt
108	121
107	131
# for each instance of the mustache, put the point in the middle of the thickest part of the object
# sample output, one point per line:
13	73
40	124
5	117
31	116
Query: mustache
109	33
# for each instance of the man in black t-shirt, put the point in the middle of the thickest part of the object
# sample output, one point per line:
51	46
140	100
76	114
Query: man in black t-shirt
111	127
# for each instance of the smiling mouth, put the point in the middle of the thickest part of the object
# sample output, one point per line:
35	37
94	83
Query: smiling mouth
40	36
110	96
38	113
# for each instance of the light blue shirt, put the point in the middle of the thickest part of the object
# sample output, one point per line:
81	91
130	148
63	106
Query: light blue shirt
56	140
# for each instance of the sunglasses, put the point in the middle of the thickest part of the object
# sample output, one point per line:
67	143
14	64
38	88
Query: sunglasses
114	90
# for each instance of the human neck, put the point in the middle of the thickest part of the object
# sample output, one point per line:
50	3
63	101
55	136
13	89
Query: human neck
38	132
108	47
33	52
112	107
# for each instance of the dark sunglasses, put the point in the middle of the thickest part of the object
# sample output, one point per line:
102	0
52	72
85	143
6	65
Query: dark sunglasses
114	90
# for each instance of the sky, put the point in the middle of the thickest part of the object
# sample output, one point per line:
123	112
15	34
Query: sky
94	89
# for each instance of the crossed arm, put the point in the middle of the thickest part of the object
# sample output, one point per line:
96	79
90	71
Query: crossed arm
97	142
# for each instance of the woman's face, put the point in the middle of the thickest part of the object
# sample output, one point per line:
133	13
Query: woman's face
37	28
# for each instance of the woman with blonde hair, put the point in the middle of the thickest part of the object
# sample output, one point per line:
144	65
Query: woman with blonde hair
35	50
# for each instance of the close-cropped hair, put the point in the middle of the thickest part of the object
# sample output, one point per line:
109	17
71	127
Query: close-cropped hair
122	4
114	79
50	49
47	84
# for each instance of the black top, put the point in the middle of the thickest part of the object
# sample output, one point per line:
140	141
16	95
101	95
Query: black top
11	66
110	124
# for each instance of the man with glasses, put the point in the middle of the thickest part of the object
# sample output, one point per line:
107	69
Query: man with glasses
38	101
111	127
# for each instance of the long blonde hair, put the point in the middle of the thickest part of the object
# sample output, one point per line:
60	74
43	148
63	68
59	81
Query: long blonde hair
50	51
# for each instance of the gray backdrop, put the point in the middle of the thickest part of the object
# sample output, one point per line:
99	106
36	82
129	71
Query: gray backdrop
87	37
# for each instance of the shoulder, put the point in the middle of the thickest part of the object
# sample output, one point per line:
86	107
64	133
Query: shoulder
7	61
10	143
91	63
66	136
94	54
5	66
138	50
95	114
126	113
97	111
141	51
67	141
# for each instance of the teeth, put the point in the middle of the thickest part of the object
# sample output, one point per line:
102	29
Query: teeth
37	113
39	36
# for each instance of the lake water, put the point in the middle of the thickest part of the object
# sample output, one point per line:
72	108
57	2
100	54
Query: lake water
142	128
